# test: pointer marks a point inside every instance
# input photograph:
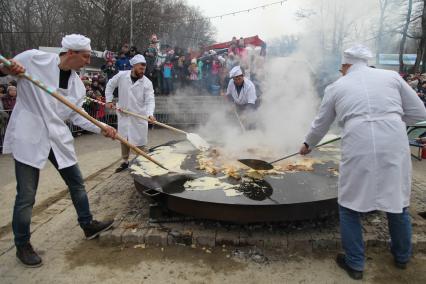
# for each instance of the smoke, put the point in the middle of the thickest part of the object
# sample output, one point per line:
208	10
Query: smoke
182	109
292	86
288	105
331	27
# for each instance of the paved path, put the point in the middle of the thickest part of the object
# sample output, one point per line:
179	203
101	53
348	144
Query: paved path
94	154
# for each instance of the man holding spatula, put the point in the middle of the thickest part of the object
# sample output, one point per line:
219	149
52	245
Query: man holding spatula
135	94
242	92
373	106
37	133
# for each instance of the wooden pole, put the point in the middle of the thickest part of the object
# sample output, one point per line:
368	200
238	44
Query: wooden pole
140	116
57	96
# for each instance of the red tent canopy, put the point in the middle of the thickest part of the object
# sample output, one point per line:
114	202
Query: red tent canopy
253	40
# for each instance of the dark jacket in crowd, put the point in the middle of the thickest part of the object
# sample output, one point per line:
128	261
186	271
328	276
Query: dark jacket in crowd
123	64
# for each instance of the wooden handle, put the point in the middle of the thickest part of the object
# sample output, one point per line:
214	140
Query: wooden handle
57	96
153	122
88	117
239	120
140	116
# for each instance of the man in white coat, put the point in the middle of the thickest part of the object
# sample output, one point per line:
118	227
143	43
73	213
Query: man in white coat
373	106
242	92
37	133
135	94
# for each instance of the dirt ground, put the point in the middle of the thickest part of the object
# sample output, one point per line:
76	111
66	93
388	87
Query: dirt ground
219	265
89	262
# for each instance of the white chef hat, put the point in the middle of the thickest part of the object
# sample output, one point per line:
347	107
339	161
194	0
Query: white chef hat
236	71
138	58
75	42
355	54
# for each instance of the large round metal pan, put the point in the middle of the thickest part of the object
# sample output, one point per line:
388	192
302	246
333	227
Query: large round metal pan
290	196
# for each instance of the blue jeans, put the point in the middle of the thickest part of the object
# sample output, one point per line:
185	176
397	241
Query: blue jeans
27	182
353	245
167	86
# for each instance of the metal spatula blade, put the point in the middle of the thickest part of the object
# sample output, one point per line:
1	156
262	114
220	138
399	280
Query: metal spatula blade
257	164
264	165
197	141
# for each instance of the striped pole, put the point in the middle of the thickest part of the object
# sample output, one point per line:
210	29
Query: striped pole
139	116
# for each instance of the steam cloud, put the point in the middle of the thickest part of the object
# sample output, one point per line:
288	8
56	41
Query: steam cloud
289	103
289	96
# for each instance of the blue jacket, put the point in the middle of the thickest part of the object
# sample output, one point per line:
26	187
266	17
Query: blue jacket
123	64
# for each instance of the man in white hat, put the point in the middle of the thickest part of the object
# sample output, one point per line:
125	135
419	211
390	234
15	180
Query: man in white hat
135	94
37	133
242	92
373	106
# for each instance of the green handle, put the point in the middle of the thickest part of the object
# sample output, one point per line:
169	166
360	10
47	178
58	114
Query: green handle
328	142
5	61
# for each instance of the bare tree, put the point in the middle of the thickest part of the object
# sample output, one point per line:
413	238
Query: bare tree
48	17
26	24
105	24
383	4
421	47
5	26
404	36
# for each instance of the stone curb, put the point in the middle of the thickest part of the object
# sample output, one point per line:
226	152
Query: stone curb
306	241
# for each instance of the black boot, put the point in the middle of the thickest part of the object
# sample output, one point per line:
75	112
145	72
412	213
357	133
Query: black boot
122	167
26	255
93	229
341	262
400	265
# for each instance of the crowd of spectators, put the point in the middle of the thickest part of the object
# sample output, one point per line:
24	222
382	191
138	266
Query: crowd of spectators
418	82
171	69
95	89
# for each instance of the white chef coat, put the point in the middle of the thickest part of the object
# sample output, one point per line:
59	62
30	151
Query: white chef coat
247	94
373	106
135	97
37	121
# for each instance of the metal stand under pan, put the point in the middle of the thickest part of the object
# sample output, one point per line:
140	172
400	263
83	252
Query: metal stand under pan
288	197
